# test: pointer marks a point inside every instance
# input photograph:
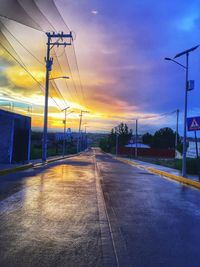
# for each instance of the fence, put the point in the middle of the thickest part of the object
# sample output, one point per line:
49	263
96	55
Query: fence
147	152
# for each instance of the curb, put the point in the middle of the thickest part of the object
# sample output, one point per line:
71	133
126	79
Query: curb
31	165
16	169
40	164
177	178
66	157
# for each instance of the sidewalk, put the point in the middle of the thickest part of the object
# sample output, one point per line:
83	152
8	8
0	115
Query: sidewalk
191	180
10	168
164	169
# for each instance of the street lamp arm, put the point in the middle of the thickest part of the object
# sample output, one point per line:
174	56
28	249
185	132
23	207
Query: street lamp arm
61	77
65	108
171	59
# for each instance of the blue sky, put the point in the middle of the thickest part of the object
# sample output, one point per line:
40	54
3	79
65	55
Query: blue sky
120	47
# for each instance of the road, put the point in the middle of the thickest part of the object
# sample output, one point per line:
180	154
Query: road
91	210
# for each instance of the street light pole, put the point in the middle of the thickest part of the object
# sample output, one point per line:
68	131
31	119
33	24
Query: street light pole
186	52
116	144
79	130
136	137
64	137
177	122
185	119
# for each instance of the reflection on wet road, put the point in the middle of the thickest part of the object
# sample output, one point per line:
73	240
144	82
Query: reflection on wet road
53	220
91	210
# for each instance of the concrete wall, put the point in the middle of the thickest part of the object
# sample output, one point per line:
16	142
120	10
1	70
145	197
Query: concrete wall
15	132
6	138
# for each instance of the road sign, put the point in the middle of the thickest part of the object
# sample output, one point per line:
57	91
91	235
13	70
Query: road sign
193	124
69	132
190	85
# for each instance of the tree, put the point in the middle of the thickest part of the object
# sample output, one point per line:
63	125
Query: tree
147	139
104	144
124	134
164	138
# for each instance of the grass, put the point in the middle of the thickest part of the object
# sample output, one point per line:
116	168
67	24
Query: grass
36	153
192	165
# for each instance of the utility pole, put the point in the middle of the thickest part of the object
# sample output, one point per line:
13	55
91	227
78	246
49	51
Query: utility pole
64	135
136	137
52	40
79	130
117	141
85	137
177	122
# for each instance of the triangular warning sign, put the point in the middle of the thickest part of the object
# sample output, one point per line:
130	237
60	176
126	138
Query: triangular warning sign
194	125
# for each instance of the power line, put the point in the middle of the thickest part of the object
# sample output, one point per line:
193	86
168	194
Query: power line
17	40
53	84
76	62
5	17
25	68
61	69
157	116
71	75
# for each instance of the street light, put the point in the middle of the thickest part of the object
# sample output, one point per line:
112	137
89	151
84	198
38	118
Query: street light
186	52
117	141
64	142
171	59
64	137
60	77
44	140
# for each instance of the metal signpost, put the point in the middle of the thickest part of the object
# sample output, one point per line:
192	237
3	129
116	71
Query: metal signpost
193	125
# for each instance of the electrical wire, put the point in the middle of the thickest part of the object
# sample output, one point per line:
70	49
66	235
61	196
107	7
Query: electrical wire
20	43
25	68
61	69
71	75
53	83
81	86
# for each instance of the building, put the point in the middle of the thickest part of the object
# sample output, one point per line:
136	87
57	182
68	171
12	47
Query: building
15	136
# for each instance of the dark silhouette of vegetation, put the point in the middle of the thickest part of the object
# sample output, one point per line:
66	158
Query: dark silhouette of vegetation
163	139
147	139
108	144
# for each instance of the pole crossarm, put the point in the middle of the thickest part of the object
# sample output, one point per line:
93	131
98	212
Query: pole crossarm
61	36
58	44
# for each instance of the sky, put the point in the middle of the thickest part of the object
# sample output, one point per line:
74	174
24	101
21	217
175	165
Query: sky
120	48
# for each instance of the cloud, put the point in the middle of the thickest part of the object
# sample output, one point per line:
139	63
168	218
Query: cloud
120	54
94	12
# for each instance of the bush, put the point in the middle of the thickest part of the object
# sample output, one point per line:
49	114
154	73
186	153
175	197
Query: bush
192	165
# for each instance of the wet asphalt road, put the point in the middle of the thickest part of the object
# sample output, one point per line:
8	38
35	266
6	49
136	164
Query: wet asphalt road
92	210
